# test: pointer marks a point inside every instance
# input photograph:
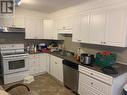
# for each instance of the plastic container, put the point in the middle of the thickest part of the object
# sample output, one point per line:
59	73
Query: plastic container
105	60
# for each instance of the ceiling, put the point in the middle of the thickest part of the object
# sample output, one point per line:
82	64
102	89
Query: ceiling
49	6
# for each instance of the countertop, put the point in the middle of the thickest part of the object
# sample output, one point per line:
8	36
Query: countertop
121	68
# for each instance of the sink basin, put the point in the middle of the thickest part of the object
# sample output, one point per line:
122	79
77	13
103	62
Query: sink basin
66	53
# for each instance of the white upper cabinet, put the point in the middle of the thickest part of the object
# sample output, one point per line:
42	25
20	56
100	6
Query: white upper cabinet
30	28
116	33
19	22
102	26
33	28
7	21
48	29
97	27
76	29
65	25
85	28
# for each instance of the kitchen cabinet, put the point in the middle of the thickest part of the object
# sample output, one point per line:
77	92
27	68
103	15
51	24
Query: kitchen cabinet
76	29
85	28
102	26
48	29
48	61
86	90
97	26
116	34
92	82
19	22
56	68
6	21
34	29
65	25
90	27
37	63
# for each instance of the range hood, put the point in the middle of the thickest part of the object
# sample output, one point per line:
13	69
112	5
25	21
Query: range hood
12	30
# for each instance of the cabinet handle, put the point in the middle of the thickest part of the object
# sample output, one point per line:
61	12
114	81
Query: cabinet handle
91	83
55	62
79	40
91	73
64	27
104	42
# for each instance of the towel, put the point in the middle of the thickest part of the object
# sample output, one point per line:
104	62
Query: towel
2	92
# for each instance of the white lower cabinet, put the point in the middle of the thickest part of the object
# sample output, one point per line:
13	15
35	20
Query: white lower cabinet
48	63
92	86
56	68
41	63
37	63
92	82
87	90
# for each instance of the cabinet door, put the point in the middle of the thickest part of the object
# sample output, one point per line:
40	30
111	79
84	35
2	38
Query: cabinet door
53	66
59	69
48	29
85	28
56	68
39	34
30	28
32	65
97	27
48	61
65	25
115	27
42	62
86	90
68	23
76	29
19	22
33	28
55	32
6	21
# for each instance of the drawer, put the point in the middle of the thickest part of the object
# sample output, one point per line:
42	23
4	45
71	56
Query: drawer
32	56
97	75
98	85
87	90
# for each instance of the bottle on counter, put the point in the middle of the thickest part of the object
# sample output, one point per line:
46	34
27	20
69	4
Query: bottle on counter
78	54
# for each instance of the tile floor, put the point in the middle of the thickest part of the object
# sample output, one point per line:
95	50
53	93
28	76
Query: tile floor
43	85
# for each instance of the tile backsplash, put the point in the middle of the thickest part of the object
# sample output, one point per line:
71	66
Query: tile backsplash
10	38
93	49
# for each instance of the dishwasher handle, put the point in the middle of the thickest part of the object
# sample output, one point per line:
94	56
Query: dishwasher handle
70	64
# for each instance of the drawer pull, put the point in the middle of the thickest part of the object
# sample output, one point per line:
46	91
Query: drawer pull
91	83
55	62
91	73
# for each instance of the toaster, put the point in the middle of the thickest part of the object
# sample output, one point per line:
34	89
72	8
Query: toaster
87	59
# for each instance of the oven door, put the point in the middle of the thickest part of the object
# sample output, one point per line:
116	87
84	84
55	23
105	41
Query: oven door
15	64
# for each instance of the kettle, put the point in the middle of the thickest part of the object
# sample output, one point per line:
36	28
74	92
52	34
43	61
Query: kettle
87	59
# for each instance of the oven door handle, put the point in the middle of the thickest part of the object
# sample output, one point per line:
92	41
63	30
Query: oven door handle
16	57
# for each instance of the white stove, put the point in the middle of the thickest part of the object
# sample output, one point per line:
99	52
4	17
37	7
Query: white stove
14	62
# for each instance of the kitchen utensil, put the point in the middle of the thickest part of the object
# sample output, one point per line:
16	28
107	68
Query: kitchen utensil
87	58
109	70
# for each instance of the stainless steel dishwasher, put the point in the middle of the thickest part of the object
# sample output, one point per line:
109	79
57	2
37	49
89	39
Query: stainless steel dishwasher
71	75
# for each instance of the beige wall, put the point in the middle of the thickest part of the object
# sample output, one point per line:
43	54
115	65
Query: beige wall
93	49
